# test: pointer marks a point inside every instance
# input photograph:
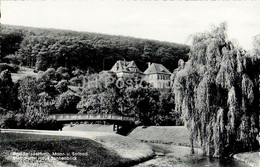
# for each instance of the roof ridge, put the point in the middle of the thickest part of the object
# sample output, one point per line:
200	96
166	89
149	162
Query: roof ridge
157	68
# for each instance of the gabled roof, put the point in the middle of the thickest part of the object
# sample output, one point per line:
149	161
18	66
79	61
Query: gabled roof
124	66
156	68
131	64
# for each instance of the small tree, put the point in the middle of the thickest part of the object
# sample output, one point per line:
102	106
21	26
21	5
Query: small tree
62	74
62	86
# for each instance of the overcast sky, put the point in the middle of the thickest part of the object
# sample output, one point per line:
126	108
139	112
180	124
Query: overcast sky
170	21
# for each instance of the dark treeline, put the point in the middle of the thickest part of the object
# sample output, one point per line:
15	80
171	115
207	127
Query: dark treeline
44	48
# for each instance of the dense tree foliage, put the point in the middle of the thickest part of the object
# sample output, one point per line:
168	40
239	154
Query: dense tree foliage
35	105
9	42
256	43
67	58
217	93
99	94
104	93
166	113
67	102
28	103
45	48
143	103
9	67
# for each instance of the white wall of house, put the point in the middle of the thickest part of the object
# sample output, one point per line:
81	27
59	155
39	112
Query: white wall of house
120	74
158	80
126	74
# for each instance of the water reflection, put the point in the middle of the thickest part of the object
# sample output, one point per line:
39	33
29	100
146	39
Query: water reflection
196	161
179	156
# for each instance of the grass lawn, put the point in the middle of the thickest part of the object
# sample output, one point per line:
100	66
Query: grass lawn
127	147
177	135
24	71
251	158
26	146
88	127
5	162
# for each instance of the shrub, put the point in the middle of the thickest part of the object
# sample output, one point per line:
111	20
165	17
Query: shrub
62	86
11	68
13	59
62	73
48	75
77	81
8	120
61	70
67	102
77	72
19	121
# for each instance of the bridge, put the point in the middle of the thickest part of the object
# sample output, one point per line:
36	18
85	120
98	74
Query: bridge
122	124
90	117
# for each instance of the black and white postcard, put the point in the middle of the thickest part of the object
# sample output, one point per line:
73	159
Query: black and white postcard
118	83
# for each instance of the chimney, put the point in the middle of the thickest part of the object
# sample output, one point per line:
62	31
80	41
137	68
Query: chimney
149	64
124	62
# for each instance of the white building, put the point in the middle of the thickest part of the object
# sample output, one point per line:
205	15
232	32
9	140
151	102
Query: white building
158	76
126	68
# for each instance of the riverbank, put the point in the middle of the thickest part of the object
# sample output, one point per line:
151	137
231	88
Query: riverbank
250	158
103	149
172	147
170	155
179	156
176	135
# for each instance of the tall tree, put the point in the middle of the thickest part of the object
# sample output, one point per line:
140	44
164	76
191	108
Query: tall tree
217	94
8	91
9	43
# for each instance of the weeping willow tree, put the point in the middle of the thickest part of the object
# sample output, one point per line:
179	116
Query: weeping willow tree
217	93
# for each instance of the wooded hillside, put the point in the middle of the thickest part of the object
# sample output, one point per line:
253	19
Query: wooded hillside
44	48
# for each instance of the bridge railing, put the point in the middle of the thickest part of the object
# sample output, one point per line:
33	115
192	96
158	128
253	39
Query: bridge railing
60	117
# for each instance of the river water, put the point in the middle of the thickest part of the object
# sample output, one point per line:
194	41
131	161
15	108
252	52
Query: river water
179	156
